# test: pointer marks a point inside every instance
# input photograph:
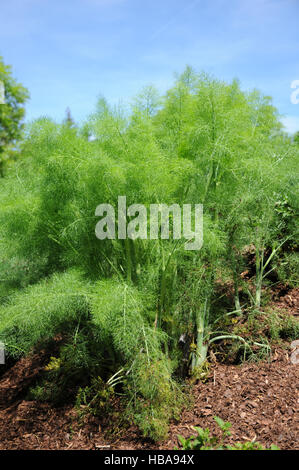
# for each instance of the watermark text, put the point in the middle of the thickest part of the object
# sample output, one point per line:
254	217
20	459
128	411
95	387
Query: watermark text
165	221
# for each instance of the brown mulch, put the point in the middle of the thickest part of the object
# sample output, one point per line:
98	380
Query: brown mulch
23	373
260	400
286	300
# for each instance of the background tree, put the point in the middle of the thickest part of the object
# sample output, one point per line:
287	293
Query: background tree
11	113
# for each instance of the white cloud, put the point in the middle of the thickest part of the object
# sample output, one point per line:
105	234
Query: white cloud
104	3
291	124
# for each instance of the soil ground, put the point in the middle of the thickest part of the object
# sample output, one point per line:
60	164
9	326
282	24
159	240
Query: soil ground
259	399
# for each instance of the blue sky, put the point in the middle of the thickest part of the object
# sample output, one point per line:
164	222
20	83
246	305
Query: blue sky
68	52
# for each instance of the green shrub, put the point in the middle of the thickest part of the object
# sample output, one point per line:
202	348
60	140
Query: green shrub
153	396
39	312
288	269
203	440
146	306
79	361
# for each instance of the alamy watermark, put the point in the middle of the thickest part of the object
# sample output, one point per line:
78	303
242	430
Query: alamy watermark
2	93
167	221
295	93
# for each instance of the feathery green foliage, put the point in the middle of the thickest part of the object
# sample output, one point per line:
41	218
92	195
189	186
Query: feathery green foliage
40	311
